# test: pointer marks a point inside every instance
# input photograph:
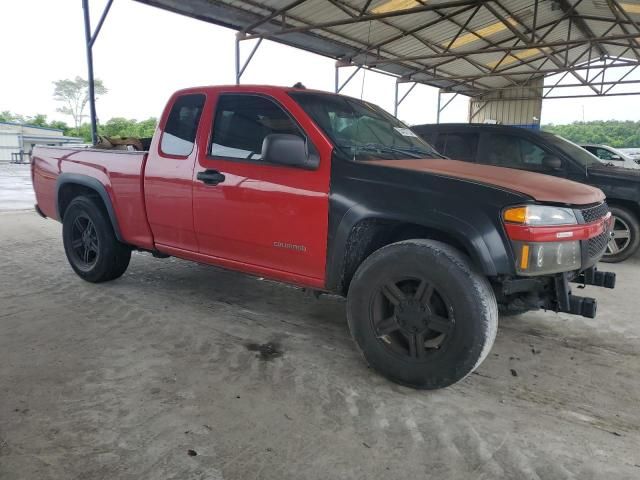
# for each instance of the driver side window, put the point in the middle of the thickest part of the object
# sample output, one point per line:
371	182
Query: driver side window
243	121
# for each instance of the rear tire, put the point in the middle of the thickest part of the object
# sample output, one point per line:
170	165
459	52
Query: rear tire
627	241
420	313
91	246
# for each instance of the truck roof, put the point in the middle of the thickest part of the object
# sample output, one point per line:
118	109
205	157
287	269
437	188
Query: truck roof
267	89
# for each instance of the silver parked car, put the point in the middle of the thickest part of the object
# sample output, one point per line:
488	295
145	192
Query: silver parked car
634	153
610	155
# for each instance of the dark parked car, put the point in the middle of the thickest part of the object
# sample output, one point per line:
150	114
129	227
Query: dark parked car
547	153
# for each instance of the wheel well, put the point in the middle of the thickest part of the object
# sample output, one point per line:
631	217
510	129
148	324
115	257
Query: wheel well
632	206
370	235
69	191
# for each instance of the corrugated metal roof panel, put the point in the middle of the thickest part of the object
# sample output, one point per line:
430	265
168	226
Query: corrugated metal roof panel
341	29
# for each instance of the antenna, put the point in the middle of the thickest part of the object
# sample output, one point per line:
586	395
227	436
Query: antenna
364	75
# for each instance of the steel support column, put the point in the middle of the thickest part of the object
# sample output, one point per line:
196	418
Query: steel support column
92	93
338	87
441	108
90	39
240	69
398	100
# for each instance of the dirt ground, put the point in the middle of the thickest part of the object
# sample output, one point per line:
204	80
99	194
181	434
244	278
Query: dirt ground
182	371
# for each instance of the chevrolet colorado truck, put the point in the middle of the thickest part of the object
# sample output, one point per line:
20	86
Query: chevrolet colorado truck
333	194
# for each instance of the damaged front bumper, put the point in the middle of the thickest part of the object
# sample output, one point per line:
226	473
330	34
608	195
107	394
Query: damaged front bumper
554	292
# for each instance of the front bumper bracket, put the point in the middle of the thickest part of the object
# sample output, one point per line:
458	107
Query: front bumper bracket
593	276
573	304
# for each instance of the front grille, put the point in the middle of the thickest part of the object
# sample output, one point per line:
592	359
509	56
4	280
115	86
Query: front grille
594	213
596	245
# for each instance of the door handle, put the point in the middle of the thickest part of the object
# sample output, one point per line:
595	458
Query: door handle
210	177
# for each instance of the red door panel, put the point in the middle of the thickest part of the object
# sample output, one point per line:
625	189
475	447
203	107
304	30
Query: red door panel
264	215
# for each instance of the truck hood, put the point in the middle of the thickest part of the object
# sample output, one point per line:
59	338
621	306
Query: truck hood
543	188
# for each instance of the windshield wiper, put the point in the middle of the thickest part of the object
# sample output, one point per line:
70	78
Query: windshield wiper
378	147
430	153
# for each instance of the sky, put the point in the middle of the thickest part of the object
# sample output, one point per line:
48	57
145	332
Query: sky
144	54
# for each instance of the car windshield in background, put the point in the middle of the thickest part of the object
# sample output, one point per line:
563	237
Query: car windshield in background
579	154
361	130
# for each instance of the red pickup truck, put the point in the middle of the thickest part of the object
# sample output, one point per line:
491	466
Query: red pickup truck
334	194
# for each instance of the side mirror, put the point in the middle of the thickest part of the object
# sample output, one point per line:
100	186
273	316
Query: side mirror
290	150
615	157
551	162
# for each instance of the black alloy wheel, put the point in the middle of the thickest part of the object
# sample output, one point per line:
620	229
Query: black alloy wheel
91	245
411	318
84	242
421	313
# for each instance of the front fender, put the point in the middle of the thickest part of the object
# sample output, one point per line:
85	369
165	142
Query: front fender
466	213
474	241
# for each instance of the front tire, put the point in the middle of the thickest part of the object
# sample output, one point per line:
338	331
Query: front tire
420	313
92	249
626	236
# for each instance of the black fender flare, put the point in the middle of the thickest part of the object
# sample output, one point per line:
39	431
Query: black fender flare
93	184
462	231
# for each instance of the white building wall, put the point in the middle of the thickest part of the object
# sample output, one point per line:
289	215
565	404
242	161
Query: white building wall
15	138
9	143
520	106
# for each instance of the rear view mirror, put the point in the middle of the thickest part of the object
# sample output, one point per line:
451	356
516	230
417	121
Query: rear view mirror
291	150
552	162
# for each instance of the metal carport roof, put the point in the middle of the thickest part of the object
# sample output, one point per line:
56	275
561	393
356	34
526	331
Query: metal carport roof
470	47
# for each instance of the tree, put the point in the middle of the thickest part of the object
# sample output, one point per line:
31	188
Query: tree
74	94
39	120
60	125
146	128
118	127
123	127
615	133
7	116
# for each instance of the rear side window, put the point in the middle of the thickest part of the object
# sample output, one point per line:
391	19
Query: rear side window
514	152
243	121
179	133
604	154
458	146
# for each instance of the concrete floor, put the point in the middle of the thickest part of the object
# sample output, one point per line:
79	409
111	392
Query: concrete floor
16	192
156	376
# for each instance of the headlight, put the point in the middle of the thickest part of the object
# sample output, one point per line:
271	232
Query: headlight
543	239
540	258
540	215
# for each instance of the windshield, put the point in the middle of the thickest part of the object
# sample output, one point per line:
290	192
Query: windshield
622	155
361	130
573	151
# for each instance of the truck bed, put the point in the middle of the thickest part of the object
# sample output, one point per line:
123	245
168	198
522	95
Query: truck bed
121	173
